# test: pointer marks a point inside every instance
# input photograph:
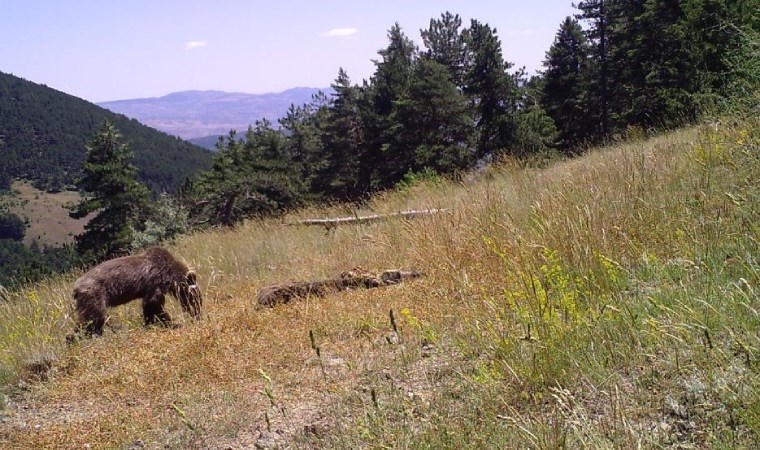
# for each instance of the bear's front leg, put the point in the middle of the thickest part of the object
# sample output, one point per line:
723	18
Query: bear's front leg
153	310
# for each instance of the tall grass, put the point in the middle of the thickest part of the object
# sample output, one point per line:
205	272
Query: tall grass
609	301
613	297
31	324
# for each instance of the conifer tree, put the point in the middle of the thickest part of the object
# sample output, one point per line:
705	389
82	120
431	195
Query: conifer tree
111	190
445	45
565	86
248	178
596	12
535	132
11	226
432	124
304	126
388	84
492	91
343	143
669	78
217	189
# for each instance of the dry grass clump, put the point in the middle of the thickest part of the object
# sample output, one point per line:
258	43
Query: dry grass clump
608	301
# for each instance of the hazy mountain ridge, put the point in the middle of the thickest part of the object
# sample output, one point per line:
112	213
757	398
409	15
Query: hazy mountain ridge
196	114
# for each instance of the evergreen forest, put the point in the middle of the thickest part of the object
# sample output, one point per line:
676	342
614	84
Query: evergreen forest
43	133
615	69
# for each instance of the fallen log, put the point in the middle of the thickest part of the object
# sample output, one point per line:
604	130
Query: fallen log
349	279
334	222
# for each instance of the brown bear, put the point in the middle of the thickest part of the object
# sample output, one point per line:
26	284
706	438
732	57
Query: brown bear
149	276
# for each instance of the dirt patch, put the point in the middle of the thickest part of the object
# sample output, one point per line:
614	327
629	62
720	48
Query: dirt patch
336	391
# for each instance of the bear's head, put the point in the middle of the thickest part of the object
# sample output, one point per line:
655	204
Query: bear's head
189	294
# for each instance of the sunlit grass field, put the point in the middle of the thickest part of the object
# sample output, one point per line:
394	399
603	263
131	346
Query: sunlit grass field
47	214
609	301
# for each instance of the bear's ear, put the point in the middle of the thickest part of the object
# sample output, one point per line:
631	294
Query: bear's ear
191	277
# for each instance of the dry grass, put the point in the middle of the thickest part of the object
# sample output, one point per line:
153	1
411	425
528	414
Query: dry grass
604	302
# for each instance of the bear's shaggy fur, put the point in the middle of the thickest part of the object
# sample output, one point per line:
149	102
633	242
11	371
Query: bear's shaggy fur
149	276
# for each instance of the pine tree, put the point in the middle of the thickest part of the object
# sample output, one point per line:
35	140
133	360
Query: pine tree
627	60
111	190
391	78
276	178
388	84
565	91
670	79
343	143
216	190
492	91
11	226
248	178
445	45
432	124
596	12
535	132
5	180
304	126
722	39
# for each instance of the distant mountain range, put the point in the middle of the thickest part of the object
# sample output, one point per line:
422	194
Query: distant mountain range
198	114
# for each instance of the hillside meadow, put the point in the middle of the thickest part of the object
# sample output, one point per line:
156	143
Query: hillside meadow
47	214
608	301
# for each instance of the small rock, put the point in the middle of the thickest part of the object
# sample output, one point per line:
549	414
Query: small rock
314	429
136	445
267	440
333	361
427	349
39	367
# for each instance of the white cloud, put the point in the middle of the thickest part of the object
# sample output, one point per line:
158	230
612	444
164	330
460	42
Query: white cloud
191	45
340	32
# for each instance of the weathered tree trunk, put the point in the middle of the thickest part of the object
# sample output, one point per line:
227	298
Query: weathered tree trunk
331	223
354	278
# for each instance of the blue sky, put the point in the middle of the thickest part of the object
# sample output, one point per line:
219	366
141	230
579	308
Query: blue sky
111	50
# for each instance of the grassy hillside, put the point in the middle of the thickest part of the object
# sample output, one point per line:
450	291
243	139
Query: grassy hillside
47	214
610	301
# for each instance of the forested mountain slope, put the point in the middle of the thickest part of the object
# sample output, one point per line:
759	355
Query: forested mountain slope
43	133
